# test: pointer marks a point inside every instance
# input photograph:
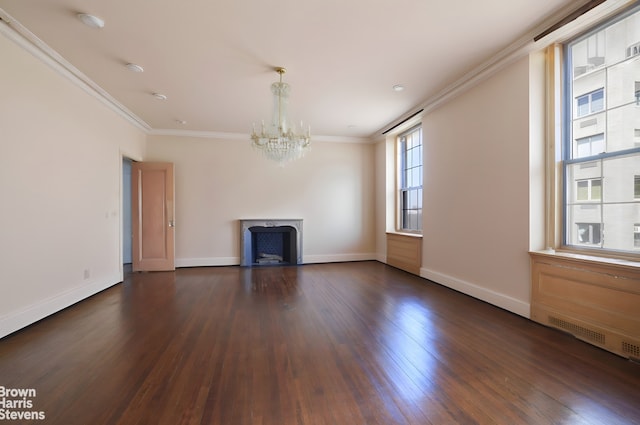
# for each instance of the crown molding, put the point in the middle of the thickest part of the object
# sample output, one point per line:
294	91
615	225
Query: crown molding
19	34
198	134
246	136
24	38
515	51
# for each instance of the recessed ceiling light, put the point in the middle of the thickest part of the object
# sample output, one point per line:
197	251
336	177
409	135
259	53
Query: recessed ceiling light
398	87
134	67
160	96
183	122
91	20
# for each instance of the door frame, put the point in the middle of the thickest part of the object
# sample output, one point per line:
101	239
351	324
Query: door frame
121	157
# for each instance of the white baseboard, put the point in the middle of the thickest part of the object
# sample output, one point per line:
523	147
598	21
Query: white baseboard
307	259
17	320
207	262
495	298
337	258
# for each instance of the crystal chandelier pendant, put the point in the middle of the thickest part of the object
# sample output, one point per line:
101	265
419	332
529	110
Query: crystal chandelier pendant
279	141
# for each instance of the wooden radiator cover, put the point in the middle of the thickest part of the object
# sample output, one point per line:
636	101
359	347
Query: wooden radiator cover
596	301
404	252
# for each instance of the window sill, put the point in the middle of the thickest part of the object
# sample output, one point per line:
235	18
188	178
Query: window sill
585	258
413	235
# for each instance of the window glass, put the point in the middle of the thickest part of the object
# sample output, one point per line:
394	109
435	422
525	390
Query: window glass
590	145
597	101
583	190
590	103
589	233
583	105
601	155
410	187
596	189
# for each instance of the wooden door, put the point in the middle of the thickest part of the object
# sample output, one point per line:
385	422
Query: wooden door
152	214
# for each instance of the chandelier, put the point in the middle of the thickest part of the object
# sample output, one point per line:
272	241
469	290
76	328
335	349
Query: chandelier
279	141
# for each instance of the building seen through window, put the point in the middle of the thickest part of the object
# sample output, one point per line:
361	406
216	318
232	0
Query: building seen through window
601	151
410	180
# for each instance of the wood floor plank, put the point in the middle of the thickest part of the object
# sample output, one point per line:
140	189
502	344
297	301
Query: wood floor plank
345	343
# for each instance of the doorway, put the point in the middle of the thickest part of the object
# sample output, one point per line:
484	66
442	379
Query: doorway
127	233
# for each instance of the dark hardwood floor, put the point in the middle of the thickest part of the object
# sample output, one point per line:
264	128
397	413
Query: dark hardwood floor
346	344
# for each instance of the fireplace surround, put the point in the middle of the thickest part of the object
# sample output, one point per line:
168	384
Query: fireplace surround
270	242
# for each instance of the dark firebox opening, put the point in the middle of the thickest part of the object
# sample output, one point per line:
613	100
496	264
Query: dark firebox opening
273	245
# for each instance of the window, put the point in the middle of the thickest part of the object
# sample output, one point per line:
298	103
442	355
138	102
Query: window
633	50
601	161
590	103
589	190
590	145
410	180
589	233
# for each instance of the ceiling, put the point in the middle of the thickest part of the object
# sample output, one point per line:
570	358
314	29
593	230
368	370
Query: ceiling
215	59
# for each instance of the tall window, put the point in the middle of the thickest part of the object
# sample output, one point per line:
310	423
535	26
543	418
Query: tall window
601	158
410	180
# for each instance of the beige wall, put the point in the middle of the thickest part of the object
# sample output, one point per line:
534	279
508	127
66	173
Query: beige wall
483	186
476	191
60	171
219	182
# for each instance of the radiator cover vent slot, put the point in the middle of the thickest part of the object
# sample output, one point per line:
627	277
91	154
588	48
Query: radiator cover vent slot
632	350
577	330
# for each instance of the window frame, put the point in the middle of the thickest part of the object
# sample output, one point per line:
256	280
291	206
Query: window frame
561	113
402	187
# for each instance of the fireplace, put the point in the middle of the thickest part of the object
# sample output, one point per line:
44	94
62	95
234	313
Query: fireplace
270	242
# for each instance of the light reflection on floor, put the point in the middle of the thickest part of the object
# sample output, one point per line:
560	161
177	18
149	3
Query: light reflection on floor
409	365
